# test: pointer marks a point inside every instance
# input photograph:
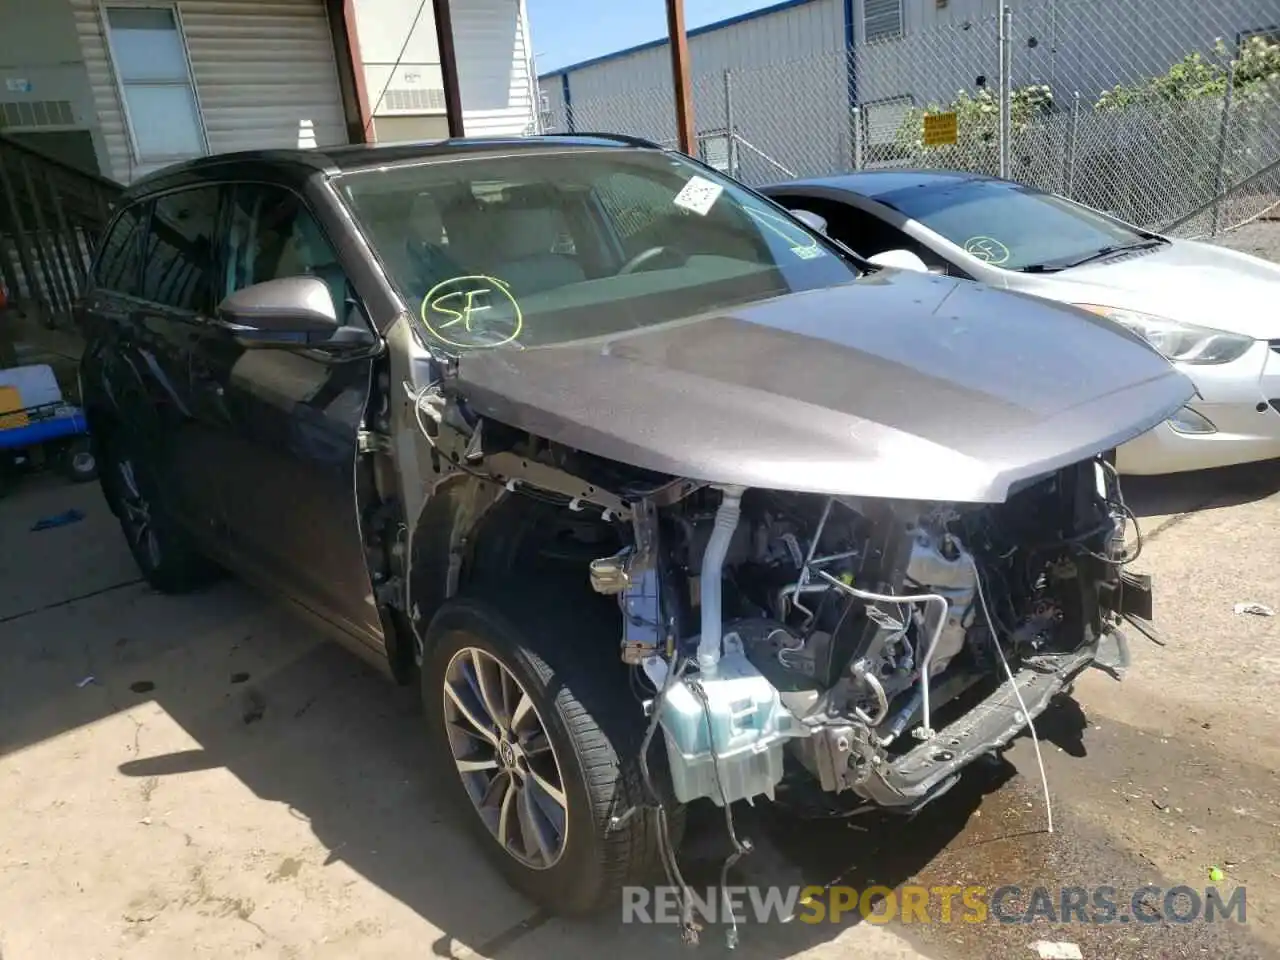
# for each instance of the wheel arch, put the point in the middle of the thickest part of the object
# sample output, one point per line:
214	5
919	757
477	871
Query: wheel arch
473	532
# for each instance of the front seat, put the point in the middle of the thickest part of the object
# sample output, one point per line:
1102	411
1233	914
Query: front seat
512	241
523	239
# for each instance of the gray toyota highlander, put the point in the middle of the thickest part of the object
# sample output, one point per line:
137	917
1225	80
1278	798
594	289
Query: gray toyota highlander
660	495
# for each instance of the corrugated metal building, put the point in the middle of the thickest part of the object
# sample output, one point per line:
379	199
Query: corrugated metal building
121	88
629	91
799	67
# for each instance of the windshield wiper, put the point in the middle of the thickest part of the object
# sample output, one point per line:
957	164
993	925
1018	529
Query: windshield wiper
1053	266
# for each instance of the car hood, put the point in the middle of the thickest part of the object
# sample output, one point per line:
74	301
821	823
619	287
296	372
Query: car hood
1185	280
896	385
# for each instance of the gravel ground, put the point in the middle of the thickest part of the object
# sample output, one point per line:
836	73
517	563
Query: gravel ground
1260	238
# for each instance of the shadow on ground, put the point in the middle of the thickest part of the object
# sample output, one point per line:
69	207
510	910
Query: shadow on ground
302	723
1181	493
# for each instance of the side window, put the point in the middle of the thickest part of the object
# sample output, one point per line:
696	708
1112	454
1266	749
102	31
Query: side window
178	270
121	254
867	235
271	234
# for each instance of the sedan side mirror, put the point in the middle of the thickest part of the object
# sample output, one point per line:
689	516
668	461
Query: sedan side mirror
900	259
289	311
811	220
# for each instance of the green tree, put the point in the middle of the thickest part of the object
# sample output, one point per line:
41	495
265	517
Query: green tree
1257	73
978	115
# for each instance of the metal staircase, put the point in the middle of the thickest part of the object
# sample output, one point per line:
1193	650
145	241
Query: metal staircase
51	217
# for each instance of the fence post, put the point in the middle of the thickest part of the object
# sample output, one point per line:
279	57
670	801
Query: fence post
1220	181
730	130
858	160
1070	185
1006	83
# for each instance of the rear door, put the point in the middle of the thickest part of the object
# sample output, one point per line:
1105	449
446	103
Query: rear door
176	300
289	419
139	314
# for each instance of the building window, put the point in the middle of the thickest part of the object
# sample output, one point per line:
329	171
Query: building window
881	20
150	59
713	149
884	118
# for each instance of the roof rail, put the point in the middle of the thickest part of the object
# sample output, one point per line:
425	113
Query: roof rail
617	137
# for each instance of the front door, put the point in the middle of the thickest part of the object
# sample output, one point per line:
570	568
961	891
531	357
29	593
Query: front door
290	421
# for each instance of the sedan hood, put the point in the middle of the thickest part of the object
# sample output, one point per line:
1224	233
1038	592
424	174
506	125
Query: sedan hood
896	385
1187	281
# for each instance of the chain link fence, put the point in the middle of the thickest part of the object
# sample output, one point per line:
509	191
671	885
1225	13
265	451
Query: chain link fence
1155	111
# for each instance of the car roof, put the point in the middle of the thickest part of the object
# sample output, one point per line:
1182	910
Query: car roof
879	184
333	161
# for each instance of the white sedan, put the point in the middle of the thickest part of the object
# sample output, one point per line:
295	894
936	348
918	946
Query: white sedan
1213	312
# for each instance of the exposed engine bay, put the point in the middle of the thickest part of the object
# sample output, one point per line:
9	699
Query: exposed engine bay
870	647
831	653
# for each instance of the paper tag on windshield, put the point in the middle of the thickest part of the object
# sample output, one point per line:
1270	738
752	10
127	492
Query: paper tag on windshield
698	196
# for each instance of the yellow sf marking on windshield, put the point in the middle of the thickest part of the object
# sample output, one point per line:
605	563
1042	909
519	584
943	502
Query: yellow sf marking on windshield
463	316
987	249
455	299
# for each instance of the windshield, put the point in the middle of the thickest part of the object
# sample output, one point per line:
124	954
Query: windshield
533	248
1009	225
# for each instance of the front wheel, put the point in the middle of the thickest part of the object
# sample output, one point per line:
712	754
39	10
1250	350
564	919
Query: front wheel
541	738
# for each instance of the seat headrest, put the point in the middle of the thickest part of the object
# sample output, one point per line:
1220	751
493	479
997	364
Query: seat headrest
521	232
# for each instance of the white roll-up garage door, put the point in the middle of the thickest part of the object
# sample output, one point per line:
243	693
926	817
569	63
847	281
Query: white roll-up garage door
263	71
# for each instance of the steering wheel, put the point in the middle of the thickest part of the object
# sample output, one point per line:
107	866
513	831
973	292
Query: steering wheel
643	257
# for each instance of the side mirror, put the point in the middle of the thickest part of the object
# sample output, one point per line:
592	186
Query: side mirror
289	311
899	259
811	220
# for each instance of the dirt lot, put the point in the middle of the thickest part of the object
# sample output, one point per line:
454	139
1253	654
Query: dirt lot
228	785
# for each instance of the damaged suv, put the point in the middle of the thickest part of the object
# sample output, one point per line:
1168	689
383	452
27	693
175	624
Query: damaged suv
660	495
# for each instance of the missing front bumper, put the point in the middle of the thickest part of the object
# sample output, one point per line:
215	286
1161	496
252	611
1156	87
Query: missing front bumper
931	768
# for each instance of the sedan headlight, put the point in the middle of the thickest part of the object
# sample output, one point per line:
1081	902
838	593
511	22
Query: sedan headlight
1180	342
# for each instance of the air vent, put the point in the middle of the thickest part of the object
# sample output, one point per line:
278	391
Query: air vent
881	20
414	98
36	113
1123	255
1275	345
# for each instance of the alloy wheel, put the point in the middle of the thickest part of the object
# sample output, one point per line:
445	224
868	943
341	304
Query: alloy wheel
136	514
505	758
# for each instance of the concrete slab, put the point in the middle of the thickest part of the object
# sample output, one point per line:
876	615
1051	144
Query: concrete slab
52	566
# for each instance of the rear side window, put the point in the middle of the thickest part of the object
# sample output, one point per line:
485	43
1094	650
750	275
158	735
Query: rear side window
121	255
178	269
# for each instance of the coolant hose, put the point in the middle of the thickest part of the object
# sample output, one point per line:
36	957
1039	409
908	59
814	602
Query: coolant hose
726	523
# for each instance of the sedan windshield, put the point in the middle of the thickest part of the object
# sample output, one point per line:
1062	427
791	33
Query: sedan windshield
535	247
1014	227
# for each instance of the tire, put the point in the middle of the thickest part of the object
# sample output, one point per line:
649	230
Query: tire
79	462
160	548
594	726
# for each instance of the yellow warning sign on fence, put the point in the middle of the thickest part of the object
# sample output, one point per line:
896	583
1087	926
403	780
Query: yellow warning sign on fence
939	129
